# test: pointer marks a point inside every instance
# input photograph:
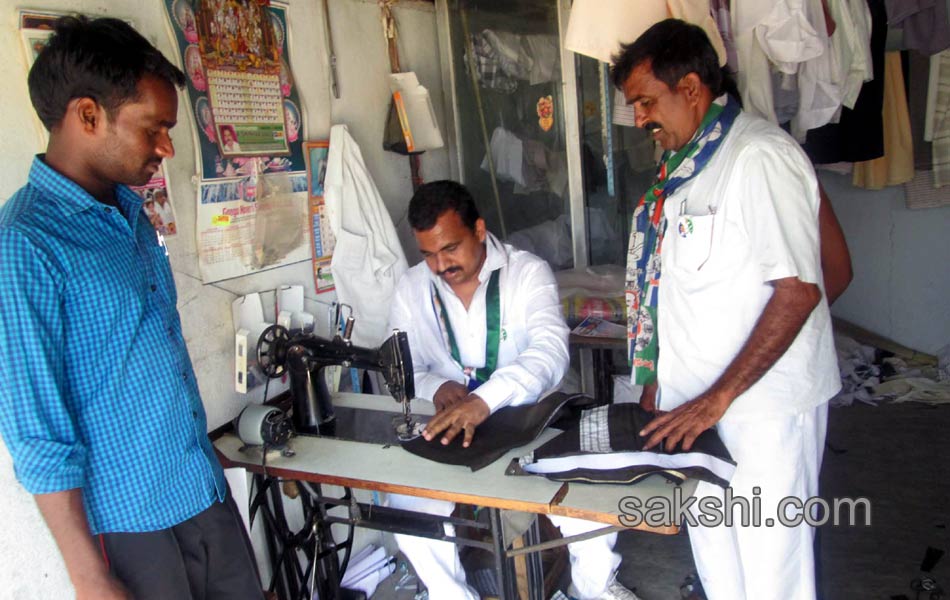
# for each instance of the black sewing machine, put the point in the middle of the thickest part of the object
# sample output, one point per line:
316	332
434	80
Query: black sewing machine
305	355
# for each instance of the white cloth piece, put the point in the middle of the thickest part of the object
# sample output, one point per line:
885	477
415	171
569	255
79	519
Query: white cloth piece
819	80
753	212
436	563
770	30
532	353
593	562
753	77
597	28
368	259
781	456
852	44
507	154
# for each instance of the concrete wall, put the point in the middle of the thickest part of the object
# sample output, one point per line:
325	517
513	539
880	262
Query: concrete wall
30	566
901	260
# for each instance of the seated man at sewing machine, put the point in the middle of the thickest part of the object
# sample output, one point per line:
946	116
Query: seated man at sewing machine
486	331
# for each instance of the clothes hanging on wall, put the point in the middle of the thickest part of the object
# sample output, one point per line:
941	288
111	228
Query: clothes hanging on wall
770	32
368	258
819	78
488	67
851	44
897	164
597	28
925	24
503	58
941	120
859	133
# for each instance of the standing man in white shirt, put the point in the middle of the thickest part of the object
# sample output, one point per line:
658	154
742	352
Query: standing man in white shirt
485	327
724	267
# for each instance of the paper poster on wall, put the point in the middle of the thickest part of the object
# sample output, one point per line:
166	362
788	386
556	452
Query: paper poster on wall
322	240
250	224
240	86
241	60
158	202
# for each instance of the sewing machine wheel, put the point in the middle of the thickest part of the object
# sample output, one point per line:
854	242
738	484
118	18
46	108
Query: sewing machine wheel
272	351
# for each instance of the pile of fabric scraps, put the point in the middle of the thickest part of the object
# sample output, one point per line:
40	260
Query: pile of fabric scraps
871	375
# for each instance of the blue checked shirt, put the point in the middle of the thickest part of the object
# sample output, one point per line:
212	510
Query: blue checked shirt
96	387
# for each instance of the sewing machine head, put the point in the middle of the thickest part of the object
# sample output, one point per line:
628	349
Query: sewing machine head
304	356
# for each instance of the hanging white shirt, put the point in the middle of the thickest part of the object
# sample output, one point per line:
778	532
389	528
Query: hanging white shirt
770	30
532	350
368	259
750	217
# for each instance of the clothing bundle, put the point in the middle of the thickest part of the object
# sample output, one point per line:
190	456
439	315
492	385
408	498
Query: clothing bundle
502	59
832	72
605	447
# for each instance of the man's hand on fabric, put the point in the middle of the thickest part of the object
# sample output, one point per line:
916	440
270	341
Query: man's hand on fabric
448	395
463	416
684	423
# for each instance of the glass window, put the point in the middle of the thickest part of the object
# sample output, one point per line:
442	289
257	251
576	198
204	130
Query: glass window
506	63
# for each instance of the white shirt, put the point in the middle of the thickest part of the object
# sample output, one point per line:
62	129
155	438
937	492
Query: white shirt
367	259
532	351
749	217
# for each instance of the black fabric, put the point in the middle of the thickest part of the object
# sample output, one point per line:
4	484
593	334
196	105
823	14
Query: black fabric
207	557
507	428
859	135
605	447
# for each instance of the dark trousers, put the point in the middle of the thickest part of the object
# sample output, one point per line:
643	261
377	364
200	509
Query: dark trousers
207	557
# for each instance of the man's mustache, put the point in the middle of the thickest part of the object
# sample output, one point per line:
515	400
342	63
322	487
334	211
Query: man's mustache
449	270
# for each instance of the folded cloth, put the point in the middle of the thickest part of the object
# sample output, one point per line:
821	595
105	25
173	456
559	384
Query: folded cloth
507	428
605	447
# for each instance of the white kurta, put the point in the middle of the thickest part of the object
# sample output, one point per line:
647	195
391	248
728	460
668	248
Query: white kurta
368	259
750	217
532	359
532	353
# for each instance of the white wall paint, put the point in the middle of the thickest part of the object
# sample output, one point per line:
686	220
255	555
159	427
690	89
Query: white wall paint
30	565
901	260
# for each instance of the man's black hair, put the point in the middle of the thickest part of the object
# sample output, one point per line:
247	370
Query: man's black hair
102	59
433	199
674	48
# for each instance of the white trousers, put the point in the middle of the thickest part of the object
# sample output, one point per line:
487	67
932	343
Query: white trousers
782	457
593	561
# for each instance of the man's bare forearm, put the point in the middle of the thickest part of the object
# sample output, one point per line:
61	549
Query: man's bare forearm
66	518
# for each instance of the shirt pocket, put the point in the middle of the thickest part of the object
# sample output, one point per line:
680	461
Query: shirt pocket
694	241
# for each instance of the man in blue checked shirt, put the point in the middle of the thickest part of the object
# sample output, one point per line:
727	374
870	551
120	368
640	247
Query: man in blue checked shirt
98	401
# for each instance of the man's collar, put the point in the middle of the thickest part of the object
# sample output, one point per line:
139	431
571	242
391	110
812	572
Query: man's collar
496	257
71	196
